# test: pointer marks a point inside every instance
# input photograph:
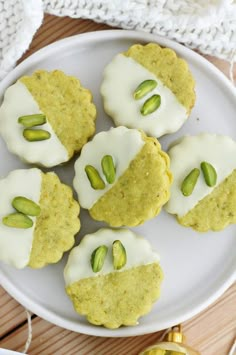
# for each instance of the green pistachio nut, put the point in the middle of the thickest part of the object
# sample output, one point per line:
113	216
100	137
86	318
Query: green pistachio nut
209	173
26	206
95	179
189	182
32	120
119	255
108	168
151	105
33	135
98	258
144	88
17	220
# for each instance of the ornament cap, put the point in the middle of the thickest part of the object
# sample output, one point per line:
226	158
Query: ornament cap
175	335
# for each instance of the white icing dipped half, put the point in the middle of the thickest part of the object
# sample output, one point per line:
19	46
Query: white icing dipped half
121	143
16	243
138	251
18	101
121	77
187	154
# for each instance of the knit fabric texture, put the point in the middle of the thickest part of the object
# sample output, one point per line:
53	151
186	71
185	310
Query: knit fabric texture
19	20
209	26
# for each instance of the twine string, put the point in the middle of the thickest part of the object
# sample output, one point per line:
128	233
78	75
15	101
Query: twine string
161	338
233	348
29	339
30	333
164	334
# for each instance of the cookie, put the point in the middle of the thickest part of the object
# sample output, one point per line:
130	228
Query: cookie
141	177
150	88
203	194
38	218
103	277
47	117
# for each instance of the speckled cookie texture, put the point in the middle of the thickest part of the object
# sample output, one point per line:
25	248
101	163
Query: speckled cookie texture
141	188
216	211
67	105
150	88
117	299
65	112
140	193
208	207
166	65
48	233
57	224
113	298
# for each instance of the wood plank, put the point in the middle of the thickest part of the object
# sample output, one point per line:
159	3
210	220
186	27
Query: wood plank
50	339
11	313
222	65
211	332
55	28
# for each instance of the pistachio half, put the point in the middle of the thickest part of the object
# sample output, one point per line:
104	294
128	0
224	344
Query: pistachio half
32	120
26	206
209	173
119	255
98	257
151	105
17	220
33	135
108	168
189	182
95	179
144	88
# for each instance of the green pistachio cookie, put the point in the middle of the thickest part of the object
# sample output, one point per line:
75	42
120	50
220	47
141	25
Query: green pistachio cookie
103	277
203	194
47	117
150	88
122	177
38	218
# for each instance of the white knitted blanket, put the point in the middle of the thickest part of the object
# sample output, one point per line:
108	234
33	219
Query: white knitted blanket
19	20
209	26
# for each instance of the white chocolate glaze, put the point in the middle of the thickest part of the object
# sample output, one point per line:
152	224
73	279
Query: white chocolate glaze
121	143
16	243
138	251
121	78
18	101
187	154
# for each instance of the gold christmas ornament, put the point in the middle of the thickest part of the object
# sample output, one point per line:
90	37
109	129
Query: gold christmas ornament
173	344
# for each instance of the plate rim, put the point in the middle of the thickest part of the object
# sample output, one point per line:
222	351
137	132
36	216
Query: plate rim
33	305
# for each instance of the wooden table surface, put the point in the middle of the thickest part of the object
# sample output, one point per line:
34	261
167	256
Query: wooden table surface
212	332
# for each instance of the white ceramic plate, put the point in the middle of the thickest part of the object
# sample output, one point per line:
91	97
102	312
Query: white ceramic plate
198	267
